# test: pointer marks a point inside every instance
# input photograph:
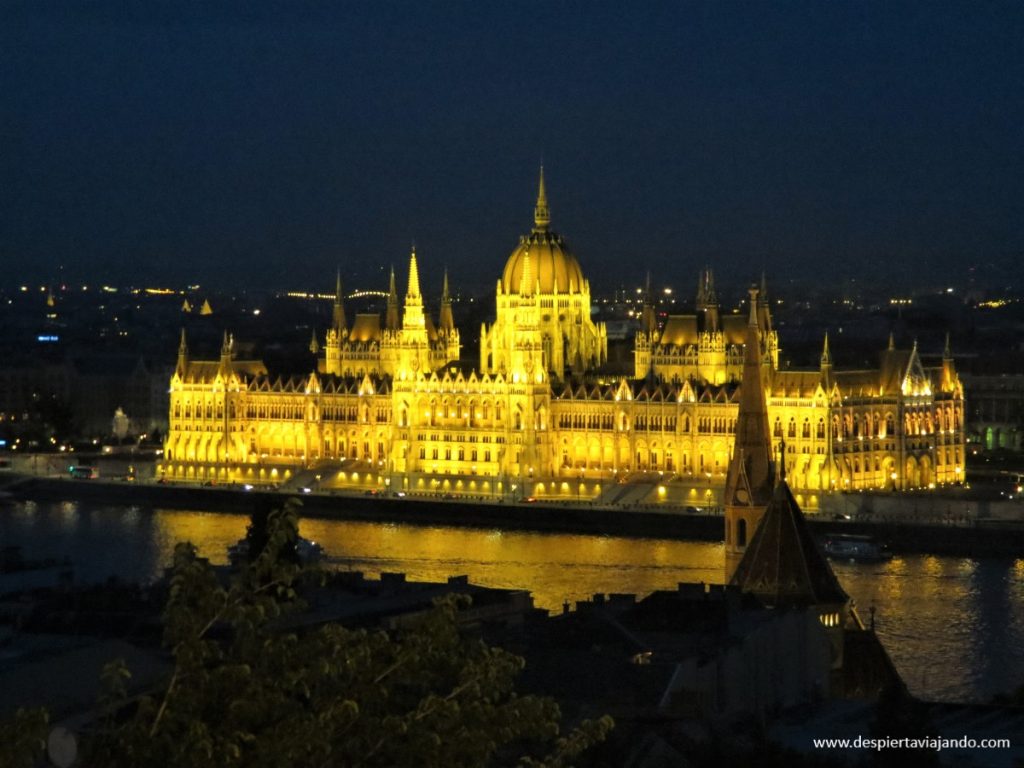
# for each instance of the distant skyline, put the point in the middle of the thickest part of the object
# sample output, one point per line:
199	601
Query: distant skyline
263	144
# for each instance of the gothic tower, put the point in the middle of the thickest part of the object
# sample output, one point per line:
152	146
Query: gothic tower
751	474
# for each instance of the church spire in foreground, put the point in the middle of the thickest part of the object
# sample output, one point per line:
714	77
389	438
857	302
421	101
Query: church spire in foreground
751	474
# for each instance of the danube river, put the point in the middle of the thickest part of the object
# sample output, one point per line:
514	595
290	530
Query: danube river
954	626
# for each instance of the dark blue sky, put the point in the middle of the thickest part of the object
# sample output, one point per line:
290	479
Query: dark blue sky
260	144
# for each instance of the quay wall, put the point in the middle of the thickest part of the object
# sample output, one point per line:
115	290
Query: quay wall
938	533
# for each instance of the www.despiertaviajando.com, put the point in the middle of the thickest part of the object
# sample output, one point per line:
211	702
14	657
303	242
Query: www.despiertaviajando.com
934	743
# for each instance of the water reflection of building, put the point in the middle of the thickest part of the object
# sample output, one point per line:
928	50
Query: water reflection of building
391	405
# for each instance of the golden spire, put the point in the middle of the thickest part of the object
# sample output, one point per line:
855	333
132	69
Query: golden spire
892	341
947	351
826	356
414	277
541	214
413	317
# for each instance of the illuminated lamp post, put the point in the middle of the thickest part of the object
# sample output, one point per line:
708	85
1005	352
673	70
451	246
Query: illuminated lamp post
708	494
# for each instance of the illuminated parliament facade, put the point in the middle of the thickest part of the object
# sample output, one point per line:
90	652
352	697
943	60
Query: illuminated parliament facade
394	406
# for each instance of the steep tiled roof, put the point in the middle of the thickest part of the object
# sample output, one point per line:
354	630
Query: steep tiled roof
783	564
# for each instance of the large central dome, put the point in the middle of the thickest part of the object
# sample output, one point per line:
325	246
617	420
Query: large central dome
550	260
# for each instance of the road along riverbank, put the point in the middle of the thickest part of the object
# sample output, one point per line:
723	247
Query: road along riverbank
967	538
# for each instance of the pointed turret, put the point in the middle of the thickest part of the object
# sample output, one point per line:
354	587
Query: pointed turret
227	352
892	342
648	320
750	477
706	296
707	300
447	322
314	345
413	290
391	317
826	356
413	317
949	377
541	214
338	318
182	355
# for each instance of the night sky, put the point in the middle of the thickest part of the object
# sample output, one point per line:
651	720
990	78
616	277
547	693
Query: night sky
261	144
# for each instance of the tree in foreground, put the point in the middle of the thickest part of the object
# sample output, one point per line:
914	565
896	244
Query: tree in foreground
23	738
245	691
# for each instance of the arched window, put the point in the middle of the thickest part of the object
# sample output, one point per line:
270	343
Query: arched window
777	431
821	428
791	431
806	431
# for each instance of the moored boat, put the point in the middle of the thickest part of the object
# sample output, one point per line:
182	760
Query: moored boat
859	548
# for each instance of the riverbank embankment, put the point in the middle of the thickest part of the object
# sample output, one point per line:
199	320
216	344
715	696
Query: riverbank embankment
960	537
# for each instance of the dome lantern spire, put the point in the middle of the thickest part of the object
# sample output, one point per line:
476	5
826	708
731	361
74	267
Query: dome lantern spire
541	214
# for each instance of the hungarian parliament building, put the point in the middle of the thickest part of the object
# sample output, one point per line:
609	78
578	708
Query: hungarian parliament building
392	406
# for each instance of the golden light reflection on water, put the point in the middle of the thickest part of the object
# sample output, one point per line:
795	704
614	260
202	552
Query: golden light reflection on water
554	567
212	533
954	626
